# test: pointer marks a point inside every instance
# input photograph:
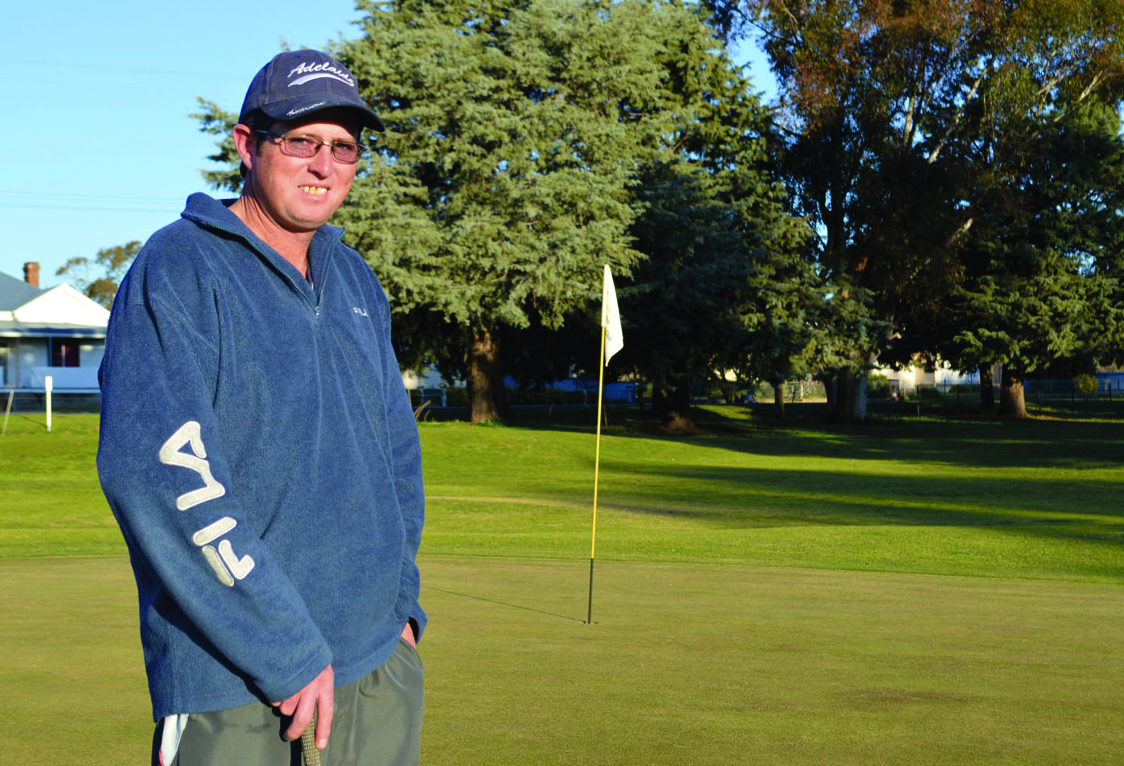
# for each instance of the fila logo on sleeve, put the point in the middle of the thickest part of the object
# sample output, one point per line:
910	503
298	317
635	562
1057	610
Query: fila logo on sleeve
225	563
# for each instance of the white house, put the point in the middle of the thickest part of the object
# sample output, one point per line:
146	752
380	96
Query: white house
911	378
57	332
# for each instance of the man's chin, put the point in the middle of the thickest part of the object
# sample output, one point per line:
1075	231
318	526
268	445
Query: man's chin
307	222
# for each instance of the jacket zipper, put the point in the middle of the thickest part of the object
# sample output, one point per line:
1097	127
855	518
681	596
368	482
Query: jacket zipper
316	293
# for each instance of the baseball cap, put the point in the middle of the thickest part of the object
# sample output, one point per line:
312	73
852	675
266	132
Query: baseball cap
298	83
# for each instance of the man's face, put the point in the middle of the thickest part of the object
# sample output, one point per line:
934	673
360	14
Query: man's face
299	194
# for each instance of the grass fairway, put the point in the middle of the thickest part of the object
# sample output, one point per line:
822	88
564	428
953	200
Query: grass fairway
1034	500
909	592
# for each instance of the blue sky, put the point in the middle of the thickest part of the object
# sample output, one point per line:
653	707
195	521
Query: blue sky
113	84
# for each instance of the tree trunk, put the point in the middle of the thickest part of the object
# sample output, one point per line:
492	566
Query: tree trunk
847	396
1012	400
987	388
854	398
486	396
778	398
672	402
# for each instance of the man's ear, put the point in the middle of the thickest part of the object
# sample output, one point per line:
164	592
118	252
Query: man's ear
246	143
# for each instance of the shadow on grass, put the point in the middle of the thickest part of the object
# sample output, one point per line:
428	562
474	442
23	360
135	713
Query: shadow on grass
502	603
899	492
756	497
892	431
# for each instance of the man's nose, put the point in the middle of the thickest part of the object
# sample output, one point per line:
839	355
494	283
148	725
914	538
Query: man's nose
321	162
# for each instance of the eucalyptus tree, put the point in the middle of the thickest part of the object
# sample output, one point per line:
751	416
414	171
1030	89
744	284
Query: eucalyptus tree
99	278
902	120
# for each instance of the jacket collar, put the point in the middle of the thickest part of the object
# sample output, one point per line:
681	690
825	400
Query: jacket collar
206	211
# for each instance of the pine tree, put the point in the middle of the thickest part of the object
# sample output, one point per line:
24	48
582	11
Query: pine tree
501	185
724	287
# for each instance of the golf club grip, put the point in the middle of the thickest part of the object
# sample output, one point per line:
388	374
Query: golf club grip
308	744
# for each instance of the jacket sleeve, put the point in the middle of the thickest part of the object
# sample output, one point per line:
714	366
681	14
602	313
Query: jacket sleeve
407	469
168	482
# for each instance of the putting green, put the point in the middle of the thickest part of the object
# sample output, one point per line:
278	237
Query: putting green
722	664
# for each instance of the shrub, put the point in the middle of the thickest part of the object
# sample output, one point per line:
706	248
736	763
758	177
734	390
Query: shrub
929	393
1086	385
456	396
877	386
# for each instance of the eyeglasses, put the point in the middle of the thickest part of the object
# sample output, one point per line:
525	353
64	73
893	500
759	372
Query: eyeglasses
306	146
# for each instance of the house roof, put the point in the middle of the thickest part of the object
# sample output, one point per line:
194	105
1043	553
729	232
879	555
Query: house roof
15	292
62	305
52	330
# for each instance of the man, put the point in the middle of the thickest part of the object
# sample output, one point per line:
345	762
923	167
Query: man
260	455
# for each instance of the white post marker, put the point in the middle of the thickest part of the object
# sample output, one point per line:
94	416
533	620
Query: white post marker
48	386
7	412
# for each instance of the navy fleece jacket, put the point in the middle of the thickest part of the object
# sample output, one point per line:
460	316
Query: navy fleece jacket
259	452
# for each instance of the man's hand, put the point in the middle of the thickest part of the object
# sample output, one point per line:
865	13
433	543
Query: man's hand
408	634
318	697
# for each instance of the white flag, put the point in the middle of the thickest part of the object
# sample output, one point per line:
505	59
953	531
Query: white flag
611	317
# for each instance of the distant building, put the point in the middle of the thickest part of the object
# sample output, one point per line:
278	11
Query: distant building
909	379
425	386
57	332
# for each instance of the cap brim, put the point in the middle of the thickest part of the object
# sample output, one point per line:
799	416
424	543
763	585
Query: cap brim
295	109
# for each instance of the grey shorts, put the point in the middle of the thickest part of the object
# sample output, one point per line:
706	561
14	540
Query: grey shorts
377	722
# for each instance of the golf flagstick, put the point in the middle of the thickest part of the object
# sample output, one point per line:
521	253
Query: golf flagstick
612	341
596	467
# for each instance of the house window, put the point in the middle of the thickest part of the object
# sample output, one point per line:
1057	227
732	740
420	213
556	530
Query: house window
64	353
